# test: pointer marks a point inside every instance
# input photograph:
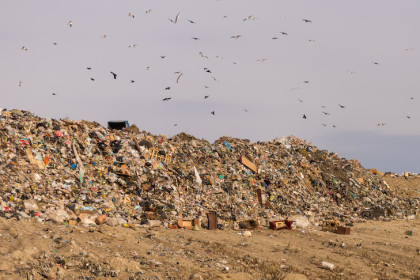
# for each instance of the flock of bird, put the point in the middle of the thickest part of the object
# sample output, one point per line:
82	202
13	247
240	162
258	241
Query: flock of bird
177	79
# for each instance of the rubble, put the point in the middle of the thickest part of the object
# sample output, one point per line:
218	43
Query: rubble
63	170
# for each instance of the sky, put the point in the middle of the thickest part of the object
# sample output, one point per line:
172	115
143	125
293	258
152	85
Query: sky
362	55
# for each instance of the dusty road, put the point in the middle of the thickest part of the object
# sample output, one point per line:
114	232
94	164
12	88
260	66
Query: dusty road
382	250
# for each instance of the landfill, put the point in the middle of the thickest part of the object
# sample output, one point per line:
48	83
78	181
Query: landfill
78	172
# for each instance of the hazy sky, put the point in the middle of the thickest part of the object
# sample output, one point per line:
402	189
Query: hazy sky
336	53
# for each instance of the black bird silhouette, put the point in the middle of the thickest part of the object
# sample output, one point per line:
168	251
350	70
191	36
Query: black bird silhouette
408	117
212	112
176	19
284	33
207	70
304	116
132	81
326	113
191	21
323	124
206	96
195	38
274	38
162	56
246	110
306	82
55	43
115	75
342	106
307	20
411	97
88	68
54	93
175	124
92	79
376	63
167	88
166	98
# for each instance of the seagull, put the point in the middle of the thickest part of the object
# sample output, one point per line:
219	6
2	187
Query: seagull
409	49
115	75
148	11
249	18
206	96
148	68
246	110
20	83
351	72
191	21
54	43
206	86
214	78
202	55
175	124
304	116
326	113
162	56
166	98
92	79
207	70
88	68
236	37
131	15
219	57
54	93
342	106
24	48
307	20
412	97
284	33
179	77
176	19
300	100
306	82
70	24
195	38
323	124
311	40
274	38
103	36
132	46
167	88
213	113
132	81
380	124
334	126
376	63
261	60
408	117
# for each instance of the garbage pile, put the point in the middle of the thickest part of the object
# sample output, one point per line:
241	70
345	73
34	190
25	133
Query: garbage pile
80	172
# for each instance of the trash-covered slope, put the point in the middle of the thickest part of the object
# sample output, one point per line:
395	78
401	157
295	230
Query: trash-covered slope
65	170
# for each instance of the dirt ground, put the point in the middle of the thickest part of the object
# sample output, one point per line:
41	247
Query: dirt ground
382	250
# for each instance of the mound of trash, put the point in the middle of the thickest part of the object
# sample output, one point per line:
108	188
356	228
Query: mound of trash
80	172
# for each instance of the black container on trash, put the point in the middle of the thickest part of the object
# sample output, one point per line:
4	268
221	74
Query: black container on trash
118	125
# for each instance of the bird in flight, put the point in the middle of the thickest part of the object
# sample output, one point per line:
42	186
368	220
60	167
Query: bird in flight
88	68
246	110
132	46
326	113
342	106
307	20
300	100
24	48
261	60
195	38
20	83
166	98
162	56
412	97
219	57
408	117
179	77
304	116
284	33
103	36
148	11
323	124
167	88
70	24
213	113
202	55
236	37
206	96
274	38
306	82
115	75
191	21
175	124
175	20
132	81
249	18
54	43
376	63
92	79
380	124
207	70
54	93
131	15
